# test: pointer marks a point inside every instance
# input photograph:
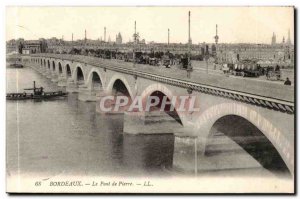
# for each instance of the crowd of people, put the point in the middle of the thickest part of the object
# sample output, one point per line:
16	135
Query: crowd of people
155	58
168	59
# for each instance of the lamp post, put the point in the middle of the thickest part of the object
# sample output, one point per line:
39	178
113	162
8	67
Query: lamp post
206	61
134	43
216	41
189	66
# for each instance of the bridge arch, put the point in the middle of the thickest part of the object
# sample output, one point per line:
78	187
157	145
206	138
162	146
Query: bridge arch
160	91
60	70
121	79
44	62
119	88
95	80
248	137
49	64
78	74
231	113
53	65
68	71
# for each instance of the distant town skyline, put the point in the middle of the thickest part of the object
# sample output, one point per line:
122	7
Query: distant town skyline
235	24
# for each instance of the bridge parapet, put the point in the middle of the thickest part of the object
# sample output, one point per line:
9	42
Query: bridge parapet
274	103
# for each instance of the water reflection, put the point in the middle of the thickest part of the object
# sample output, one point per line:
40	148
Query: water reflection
152	152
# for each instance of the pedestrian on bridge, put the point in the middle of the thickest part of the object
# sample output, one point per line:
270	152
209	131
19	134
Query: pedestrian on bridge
288	82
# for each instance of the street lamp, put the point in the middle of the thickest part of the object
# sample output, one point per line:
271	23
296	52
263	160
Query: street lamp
206	61
189	66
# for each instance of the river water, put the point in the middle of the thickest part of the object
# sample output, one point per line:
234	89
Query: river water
68	137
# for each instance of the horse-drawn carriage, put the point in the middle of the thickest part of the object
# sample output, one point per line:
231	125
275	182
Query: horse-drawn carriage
246	68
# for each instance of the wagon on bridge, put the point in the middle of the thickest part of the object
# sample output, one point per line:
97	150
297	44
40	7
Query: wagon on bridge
153	61
245	68
273	73
128	57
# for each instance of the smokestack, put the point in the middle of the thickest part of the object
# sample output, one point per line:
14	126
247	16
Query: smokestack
189	27
104	33
135	31
168	36
85	35
72	37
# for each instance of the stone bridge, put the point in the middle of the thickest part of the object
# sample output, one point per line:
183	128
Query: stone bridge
238	112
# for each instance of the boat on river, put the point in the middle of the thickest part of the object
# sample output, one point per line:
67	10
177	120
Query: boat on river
14	62
15	65
38	93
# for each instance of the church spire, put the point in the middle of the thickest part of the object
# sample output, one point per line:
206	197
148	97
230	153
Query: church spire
289	38
273	39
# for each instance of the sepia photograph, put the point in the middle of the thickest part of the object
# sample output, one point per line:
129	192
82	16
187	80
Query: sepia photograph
150	99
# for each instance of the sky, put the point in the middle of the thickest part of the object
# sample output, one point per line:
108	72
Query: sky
235	24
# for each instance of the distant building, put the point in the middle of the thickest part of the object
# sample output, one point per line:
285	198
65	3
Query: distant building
276	52
26	51
119	38
26	46
32	46
12	46
213	49
143	41
273	39
232	53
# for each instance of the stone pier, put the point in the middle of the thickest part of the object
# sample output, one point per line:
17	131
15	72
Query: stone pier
62	81
54	78
195	155
88	95
72	86
156	122
48	74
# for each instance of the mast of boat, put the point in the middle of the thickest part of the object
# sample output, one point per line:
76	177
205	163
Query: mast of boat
34	87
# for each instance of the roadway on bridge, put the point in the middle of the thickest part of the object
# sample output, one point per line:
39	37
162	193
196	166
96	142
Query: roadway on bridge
247	85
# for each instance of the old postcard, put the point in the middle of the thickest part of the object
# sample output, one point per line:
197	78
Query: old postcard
150	99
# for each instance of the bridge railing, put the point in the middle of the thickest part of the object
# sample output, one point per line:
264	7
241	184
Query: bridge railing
255	99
